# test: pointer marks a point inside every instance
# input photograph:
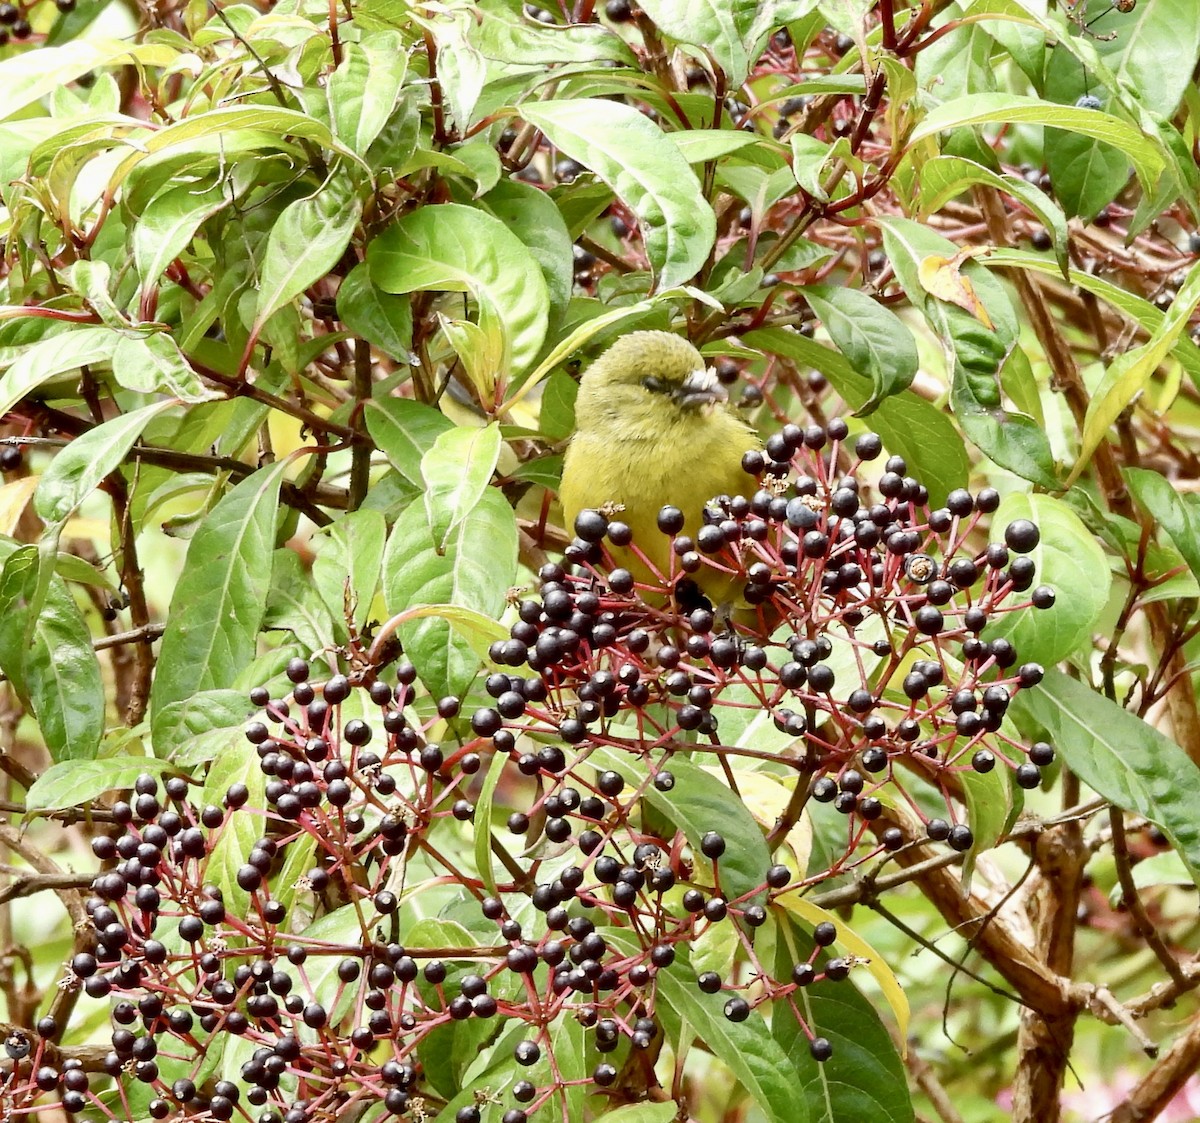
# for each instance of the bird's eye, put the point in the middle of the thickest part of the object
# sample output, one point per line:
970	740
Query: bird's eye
655	385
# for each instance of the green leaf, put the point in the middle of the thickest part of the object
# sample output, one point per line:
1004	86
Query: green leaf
154	364
1153	51
850	943
306	242
698	146
993	804
295	605
217	608
92	280
958	62
810	162
731	31
78	469
643	1113
461	70
57	673
1013	440
945	177
1026	44
532	216
31	75
1119	757
573	342
1071	562
909	426
474	570
500	33
975	352
379	317
455	248
363	90
1128	303
872	337
168	223
758	1063
76	782
865	1078
237	764
556	417
1087	174
630	153
404	431
200	726
341	926
1170	512
1003	108
456	472
483	822
350	553
66	351
1134	58
482	162
1130	372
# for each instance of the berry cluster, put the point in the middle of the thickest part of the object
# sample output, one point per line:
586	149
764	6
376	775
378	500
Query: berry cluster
860	631
275	929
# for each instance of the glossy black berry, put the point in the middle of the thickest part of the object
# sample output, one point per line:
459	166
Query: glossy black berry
938	830
1041	753
527	1053
1021	535
960	837
737	1009
1028	776
670	520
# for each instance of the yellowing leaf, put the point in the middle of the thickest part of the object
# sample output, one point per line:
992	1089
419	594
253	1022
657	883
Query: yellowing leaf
942	277
851	943
14	498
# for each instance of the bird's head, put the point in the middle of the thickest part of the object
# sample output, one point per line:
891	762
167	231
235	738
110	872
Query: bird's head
648	377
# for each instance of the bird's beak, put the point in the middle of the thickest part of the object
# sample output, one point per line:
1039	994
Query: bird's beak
701	387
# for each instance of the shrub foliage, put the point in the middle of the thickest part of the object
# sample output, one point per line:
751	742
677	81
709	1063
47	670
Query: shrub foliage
354	785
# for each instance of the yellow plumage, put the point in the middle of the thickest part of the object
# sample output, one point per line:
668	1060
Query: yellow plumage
653	428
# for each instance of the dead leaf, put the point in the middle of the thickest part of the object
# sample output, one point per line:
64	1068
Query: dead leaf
942	277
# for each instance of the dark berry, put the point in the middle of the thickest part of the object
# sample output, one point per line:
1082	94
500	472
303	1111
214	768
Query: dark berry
1041	753
1021	535
737	1009
820	1049
1028	776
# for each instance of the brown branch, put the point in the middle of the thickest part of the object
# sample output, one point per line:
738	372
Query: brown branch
64	814
1164	1080
991	936
26	885
132	581
1145	927
72	899
90	1056
360	455
186	461
926	1079
1045	1037
145	635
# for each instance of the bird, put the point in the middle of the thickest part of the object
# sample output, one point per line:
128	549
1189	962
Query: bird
653	427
